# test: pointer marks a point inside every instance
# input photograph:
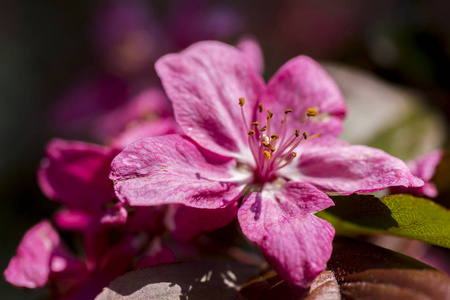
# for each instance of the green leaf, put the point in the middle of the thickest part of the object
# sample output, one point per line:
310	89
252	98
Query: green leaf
399	215
202	279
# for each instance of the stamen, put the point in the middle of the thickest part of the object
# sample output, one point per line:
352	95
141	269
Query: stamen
272	148
270	114
241	101
297	132
311	112
276	168
314	136
251	132
288	111
264	128
260	107
266	144
255	124
305	135
274	136
267	154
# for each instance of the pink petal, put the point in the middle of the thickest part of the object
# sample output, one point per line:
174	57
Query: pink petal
171	169
204	83
296	243
143	130
150	104
31	266
251	47
302	83
186	222
76	174
351	169
423	167
75	220
116	215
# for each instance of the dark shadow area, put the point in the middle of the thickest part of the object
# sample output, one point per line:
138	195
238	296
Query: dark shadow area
364	210
186	280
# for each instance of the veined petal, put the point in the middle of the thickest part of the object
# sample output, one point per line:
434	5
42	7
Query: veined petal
76	174
351	169
204	83
186	222
296	243
170	169
302	83
31	266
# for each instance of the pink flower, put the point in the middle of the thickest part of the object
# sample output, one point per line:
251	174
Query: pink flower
424	168
42	257
276	161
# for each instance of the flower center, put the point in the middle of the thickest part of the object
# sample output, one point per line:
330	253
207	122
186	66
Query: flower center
270	150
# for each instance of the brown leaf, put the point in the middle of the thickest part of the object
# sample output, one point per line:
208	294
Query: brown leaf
186	280
365	271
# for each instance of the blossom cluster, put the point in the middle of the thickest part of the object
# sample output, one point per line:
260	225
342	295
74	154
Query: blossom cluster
234	147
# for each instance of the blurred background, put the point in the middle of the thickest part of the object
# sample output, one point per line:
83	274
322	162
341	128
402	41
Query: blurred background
63	64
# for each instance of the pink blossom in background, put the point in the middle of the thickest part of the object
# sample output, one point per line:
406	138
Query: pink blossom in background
424	168
127	38
277	161
42	258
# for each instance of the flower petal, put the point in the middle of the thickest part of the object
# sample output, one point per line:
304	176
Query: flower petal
423	167
143	130
351	169
76	220
296	243
204	83
151	104
251	47
302	83
170	169
186	222
76	174
31	266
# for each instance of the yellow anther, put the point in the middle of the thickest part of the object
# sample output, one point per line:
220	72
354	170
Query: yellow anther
287	111
264	128
267	154
266	144
311	112
274	136
294	154
255	124
297	132
305	136
260	107
270	114
272	148
251	132
241	101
